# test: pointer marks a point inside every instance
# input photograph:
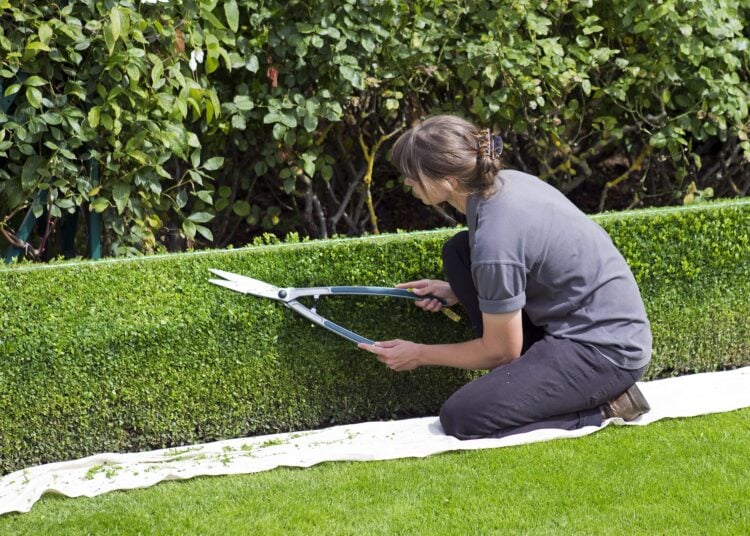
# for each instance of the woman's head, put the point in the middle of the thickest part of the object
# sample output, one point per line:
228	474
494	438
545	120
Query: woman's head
444	147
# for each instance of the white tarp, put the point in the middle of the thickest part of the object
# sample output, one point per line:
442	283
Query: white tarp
685	396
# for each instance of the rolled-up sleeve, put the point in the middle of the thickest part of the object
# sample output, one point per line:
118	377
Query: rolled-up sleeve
501	286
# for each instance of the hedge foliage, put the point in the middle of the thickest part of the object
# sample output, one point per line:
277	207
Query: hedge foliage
143	353
214	119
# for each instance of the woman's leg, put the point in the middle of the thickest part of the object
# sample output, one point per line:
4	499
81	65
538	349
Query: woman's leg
457	269
558	383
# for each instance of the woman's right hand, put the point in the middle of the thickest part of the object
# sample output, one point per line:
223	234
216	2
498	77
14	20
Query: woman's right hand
436	287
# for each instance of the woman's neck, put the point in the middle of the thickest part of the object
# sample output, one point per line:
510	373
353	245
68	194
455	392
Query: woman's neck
458	201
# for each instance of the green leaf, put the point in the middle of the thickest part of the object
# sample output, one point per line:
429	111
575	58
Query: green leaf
12	89
205	196
196	176
121	194
252	64
65	203
35	81
239	122
52	118
308	164
233	14
181	199
157	73
115	22
45	33
327	173
304	28
37	209
210	17
354	76
29	176
36	46
133	72
100	204
241	208
310	122
243	103
213	164
288	121
34	96
205	232
201	217
93	116
212	63
195	158
279	131
193	140
189	228
658	140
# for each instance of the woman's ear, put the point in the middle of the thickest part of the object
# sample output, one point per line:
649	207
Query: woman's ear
453	181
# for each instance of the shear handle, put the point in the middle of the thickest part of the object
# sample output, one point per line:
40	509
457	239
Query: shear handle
293	294
327	324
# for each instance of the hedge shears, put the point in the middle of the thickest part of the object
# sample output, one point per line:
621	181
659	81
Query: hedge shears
289	296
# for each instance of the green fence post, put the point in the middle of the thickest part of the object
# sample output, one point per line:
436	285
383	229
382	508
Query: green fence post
95	219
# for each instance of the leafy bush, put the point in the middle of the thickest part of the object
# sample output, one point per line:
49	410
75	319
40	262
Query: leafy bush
214	120
144	353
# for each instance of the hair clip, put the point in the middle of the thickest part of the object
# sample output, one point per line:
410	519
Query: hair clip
492	146
496	147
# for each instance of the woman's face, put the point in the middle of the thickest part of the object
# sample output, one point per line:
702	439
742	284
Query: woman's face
431	192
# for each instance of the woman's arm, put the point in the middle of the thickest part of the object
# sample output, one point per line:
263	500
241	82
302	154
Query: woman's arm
501	343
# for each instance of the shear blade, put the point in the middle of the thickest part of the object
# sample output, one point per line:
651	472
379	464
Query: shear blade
244	284
227	284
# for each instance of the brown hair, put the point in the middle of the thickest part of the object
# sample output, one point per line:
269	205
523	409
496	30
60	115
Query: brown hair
448	146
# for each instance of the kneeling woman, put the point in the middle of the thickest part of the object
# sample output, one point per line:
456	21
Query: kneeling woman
559	319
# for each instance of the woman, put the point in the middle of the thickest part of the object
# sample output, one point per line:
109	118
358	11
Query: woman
558	316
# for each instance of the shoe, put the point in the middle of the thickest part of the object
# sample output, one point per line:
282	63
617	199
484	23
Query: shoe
627	406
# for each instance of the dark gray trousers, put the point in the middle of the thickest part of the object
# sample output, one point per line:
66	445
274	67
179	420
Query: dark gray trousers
556	383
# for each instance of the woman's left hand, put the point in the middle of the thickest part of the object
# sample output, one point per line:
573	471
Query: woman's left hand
398	355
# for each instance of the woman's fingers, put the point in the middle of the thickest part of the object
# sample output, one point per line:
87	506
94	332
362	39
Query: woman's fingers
430	304
436	287
416	285
423	286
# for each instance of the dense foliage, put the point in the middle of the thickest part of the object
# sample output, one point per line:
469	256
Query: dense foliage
135	354
214	120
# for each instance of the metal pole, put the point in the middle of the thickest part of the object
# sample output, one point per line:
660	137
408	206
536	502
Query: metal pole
95	219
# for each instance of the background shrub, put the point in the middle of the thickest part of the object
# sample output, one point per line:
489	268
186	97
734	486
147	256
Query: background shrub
137	354
213	121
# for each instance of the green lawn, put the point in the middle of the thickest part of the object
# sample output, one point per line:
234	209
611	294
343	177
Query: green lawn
687	476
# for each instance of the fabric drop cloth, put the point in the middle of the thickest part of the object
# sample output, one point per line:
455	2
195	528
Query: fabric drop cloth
684	396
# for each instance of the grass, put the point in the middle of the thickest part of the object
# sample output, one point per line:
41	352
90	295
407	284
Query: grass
686	476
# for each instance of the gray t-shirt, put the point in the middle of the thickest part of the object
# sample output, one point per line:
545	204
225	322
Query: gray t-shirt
533	249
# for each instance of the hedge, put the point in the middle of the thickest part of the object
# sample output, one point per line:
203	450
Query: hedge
134	354
217	119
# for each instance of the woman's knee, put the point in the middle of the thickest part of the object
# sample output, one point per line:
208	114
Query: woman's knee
456	419
450	418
